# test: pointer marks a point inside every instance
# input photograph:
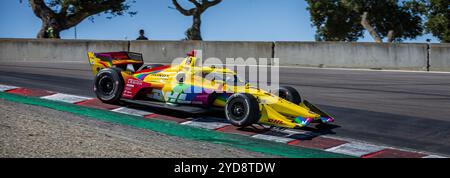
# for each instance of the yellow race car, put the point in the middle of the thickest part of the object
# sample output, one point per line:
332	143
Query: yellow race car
122	76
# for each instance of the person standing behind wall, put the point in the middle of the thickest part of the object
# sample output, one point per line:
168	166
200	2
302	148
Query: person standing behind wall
50	31
142	35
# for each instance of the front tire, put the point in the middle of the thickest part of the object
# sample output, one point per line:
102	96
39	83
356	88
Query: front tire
242	110
108	85
289	93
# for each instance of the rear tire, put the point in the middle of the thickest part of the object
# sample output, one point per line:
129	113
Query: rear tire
242	110
108	85
289	93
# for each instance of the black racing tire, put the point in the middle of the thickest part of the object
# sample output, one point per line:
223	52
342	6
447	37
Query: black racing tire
289	93
109	85
242	110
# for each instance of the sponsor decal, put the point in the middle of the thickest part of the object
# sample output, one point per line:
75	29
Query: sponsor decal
274	121
134	82
159	75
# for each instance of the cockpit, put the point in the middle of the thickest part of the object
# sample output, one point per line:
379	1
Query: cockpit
225	78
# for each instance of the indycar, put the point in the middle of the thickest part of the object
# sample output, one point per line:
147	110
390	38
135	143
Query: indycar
123	77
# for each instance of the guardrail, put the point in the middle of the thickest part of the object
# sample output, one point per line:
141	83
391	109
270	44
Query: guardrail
410	56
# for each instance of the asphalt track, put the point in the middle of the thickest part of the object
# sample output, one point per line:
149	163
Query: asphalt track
402	109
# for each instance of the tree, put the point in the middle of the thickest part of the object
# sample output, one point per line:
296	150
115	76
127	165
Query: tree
437	15
64	14
334	22
346	20
194	32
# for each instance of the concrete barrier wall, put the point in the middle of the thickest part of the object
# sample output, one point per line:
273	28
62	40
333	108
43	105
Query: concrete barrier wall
32	50
166	51
353	55
315	54
440	57
163	51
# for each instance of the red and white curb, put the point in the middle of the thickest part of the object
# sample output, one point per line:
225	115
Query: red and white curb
305	139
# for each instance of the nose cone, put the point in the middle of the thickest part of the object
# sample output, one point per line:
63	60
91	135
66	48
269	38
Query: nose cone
293	110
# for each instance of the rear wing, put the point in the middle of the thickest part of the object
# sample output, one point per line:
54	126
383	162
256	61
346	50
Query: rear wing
124	60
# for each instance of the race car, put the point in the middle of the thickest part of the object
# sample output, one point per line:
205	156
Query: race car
123	77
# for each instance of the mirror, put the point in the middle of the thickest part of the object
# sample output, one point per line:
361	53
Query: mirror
180	77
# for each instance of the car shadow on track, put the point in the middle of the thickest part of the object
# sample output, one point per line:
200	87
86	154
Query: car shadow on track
306	133
322	129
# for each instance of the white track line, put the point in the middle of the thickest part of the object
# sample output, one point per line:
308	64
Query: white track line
130	111
434	156
206	123
337	68
4	88
356	149
66	98
273	138
367	70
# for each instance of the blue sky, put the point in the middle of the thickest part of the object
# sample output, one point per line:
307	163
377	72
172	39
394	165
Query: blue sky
240	20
